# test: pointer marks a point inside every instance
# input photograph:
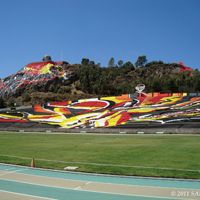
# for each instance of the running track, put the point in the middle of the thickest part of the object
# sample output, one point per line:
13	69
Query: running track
22	183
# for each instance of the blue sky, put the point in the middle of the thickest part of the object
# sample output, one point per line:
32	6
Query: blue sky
167	30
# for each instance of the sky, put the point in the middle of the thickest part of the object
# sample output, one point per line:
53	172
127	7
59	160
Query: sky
167	30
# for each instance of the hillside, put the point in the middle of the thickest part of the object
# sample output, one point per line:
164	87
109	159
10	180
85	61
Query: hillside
49	80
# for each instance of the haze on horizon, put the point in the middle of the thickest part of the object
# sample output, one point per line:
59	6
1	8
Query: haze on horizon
70	30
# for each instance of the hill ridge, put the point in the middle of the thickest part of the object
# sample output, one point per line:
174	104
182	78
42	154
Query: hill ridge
39	82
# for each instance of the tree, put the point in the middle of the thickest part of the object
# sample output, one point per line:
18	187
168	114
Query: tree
196	81
2	103
84	78
156	86
111	62
85	61
92	63
128	65
120	63
141	61
26	97
172	85
64	89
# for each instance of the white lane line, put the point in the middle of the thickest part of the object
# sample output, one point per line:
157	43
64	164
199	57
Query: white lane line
77	188
7	169
28	195
80	187
109	165
11	172
106	183
94	191
134	195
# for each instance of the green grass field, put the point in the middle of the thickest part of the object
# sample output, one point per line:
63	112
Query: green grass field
145	155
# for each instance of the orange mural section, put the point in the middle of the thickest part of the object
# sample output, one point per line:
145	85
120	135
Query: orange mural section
112	111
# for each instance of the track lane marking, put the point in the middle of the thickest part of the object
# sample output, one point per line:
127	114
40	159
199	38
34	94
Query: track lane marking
83	181
26	195
93	191
10	172
127	190
80	188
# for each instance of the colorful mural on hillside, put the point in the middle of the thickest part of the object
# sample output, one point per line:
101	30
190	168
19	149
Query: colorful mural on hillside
37	72
112	111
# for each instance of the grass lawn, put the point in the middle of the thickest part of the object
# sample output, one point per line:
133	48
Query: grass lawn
145	155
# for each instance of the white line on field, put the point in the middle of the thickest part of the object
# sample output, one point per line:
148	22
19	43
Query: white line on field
98	174
105	164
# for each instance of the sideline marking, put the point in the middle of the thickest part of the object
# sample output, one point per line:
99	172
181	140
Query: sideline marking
24	194
106	164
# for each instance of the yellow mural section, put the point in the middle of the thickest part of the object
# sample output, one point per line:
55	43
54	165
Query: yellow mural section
113	111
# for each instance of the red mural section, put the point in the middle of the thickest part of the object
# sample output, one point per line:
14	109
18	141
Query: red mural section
32	73
12	118
113	111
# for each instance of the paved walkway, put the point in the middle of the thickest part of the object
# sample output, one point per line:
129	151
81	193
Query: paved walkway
34	184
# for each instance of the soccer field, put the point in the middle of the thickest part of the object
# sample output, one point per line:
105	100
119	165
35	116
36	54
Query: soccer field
145	155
